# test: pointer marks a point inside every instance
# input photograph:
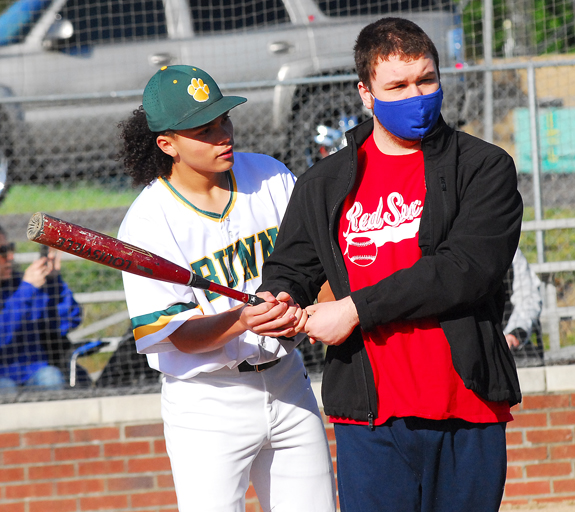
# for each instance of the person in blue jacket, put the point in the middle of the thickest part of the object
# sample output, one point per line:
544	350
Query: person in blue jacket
37	309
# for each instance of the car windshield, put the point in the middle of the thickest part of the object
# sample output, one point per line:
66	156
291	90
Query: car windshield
17	20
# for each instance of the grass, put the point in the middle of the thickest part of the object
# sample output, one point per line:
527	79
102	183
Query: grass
81	275
559	246
95	363
88	276
27	199
559	243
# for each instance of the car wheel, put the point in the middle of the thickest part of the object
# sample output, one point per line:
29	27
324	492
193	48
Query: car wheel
333	108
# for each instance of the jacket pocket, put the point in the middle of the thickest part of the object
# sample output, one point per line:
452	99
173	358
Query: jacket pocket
481	356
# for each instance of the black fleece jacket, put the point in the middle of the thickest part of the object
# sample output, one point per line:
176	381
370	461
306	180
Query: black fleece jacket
468	234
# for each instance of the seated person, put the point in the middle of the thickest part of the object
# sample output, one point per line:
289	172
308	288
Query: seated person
522	310
37	310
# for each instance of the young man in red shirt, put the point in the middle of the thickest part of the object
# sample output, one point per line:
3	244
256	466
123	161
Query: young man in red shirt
413	226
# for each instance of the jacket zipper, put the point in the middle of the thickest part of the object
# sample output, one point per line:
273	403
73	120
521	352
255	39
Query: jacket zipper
443	184
370	414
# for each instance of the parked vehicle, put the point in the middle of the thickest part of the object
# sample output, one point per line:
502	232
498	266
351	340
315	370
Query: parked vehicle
70	70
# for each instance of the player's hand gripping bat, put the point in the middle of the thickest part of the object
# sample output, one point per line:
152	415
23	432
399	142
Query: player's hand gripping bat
106	250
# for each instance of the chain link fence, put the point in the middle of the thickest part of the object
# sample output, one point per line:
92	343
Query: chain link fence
71	70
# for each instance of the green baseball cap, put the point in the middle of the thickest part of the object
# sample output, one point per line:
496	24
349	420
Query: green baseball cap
183	97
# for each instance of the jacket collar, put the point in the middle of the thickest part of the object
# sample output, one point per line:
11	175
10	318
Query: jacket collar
436	142
359	133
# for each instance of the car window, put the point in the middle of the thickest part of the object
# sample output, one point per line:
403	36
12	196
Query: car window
228	15
17	20
367	7
112	21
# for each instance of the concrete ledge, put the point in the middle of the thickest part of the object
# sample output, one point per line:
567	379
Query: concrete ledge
560	378
547	379
82	412
316	386
532	380
133	408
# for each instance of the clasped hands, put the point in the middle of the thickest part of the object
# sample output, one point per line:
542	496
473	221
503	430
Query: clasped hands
329	322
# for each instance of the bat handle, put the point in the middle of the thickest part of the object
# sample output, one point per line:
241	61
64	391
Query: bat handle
254	300
197	281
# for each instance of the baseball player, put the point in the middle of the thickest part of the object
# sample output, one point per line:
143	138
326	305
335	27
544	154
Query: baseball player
236	403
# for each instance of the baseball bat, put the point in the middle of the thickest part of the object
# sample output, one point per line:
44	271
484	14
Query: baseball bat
107	250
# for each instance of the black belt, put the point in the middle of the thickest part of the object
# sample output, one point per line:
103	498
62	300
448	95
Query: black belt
247	367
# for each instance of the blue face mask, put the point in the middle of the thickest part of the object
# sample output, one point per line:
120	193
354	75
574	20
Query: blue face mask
412	118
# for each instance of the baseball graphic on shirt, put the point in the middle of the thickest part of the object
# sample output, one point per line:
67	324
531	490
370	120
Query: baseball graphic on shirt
361	250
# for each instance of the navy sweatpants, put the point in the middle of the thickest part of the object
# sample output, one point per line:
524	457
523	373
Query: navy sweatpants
419	465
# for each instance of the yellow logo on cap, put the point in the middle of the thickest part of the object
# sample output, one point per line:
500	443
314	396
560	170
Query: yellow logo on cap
199	90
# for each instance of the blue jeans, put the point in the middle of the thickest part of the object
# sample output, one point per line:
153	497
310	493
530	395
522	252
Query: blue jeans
418	465
46	378
7	386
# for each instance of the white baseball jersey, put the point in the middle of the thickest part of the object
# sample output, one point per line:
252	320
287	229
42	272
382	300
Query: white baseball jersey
229	249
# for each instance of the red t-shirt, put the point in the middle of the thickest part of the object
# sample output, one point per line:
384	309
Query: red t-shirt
378	234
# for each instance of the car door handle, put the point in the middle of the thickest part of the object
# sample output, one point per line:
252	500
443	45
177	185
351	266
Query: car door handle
161	59
280	47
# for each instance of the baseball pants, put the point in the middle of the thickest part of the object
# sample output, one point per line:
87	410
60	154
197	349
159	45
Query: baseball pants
226	428
419	465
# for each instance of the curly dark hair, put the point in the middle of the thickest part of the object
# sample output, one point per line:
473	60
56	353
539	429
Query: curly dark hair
143	160
387	37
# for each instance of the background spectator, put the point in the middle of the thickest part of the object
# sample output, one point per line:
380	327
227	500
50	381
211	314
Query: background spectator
37	311
523	303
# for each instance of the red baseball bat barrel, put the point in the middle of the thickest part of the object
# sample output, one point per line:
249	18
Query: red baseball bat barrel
107	250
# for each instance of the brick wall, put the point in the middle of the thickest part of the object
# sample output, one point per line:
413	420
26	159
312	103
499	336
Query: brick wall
120	467
109	453
113	467
541	450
